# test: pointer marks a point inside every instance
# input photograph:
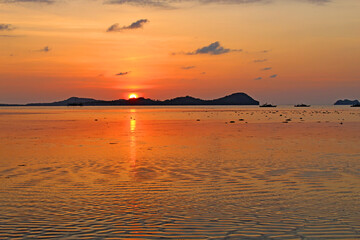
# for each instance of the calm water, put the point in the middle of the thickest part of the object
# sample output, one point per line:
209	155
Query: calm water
180	173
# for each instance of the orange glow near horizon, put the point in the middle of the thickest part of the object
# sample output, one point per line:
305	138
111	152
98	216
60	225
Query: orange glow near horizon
133	96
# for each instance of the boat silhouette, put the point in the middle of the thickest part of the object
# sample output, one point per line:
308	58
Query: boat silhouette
267	105
301	105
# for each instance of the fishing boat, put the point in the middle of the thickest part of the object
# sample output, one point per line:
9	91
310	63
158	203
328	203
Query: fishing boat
267	105
301	105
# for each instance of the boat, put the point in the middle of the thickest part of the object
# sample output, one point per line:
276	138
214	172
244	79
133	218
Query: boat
267	105
356	105
301	105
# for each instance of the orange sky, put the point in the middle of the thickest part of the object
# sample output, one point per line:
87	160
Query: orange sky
305	51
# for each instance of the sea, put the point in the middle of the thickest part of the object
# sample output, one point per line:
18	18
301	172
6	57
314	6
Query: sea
180	172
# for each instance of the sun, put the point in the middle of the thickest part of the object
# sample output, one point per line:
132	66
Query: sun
132	96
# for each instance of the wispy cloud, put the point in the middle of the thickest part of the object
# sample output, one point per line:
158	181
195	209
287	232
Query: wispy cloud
8	36
266	69
143	3
122	73
11	36
273	76
187	67
170	4
138	24
259	78
233	1
45	49
317	1
28	1
6	27
260	60
212	49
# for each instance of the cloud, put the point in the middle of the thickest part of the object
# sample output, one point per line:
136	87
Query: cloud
273	76
122	73
11	36
232	1
187	67
169	4
266	69
28	1
260	60
212	49
45	49
138	24
6	27
259	78
143	3
7	36
317	1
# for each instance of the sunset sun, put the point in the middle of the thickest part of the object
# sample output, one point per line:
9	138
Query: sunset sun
132	96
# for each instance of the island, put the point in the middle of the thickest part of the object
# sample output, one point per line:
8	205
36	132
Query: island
233	99
347	102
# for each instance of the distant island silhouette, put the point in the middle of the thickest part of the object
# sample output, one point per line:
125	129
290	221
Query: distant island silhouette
233	99
347	102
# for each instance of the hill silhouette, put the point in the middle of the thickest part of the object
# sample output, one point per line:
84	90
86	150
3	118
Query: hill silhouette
69	101
347	102
233	99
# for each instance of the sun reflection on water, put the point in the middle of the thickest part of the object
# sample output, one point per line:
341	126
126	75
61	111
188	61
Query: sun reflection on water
132	125
132	137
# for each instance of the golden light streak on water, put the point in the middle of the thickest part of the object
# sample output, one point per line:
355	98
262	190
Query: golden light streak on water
133	137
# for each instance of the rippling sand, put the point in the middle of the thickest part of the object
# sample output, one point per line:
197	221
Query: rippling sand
180	173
